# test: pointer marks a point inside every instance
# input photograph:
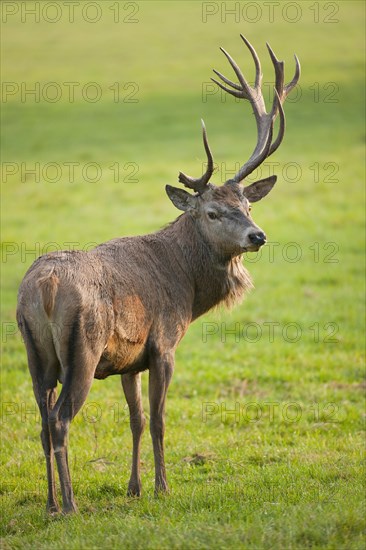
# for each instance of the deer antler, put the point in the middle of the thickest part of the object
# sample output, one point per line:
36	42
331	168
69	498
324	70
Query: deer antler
264	120
264	147
200	184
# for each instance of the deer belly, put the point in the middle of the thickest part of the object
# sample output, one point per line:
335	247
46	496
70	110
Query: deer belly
118	355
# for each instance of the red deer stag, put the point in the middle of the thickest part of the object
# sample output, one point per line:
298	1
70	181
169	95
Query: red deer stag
124	306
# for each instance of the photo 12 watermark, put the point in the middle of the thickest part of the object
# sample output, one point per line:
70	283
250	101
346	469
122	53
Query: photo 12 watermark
70	12
91	412
270	331
270	12
69	172
69	92
290	412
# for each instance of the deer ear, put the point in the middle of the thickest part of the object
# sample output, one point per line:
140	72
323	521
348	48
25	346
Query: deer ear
180	198
259	189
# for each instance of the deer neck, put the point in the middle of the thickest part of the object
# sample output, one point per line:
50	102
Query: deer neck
216	280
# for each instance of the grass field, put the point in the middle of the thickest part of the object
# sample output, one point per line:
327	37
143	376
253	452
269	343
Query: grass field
266	410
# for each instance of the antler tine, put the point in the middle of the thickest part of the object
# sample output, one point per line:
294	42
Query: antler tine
281	131
235	93
257	63
224	79
245	88
291	85
280	78
200	184
210	165
284	90
281	92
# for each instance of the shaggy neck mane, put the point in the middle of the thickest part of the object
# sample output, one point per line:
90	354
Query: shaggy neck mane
217	280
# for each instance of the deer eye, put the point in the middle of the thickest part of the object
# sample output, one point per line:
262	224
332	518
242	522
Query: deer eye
249	207
212	215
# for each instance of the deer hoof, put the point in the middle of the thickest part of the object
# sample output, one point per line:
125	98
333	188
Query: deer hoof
53	508
70	509
133	491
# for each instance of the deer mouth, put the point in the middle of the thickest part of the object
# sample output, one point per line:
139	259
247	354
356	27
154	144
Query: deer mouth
252	248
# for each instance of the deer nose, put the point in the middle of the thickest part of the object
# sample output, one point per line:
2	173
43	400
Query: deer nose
257	238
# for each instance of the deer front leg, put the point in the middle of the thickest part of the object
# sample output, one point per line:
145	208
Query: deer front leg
131	384
161	370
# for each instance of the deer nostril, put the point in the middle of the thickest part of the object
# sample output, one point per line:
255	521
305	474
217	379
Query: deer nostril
257	238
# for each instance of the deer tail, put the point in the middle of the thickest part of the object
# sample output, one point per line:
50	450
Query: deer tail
48	286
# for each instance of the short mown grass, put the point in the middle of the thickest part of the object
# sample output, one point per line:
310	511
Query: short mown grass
266	410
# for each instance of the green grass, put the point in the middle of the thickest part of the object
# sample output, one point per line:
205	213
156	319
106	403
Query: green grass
285	468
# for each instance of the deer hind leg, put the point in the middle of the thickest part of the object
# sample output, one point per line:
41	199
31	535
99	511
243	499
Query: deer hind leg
48	399
79	362
160	373
132	388
43	365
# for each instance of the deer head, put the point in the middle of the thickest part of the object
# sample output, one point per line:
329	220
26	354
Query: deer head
223	212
